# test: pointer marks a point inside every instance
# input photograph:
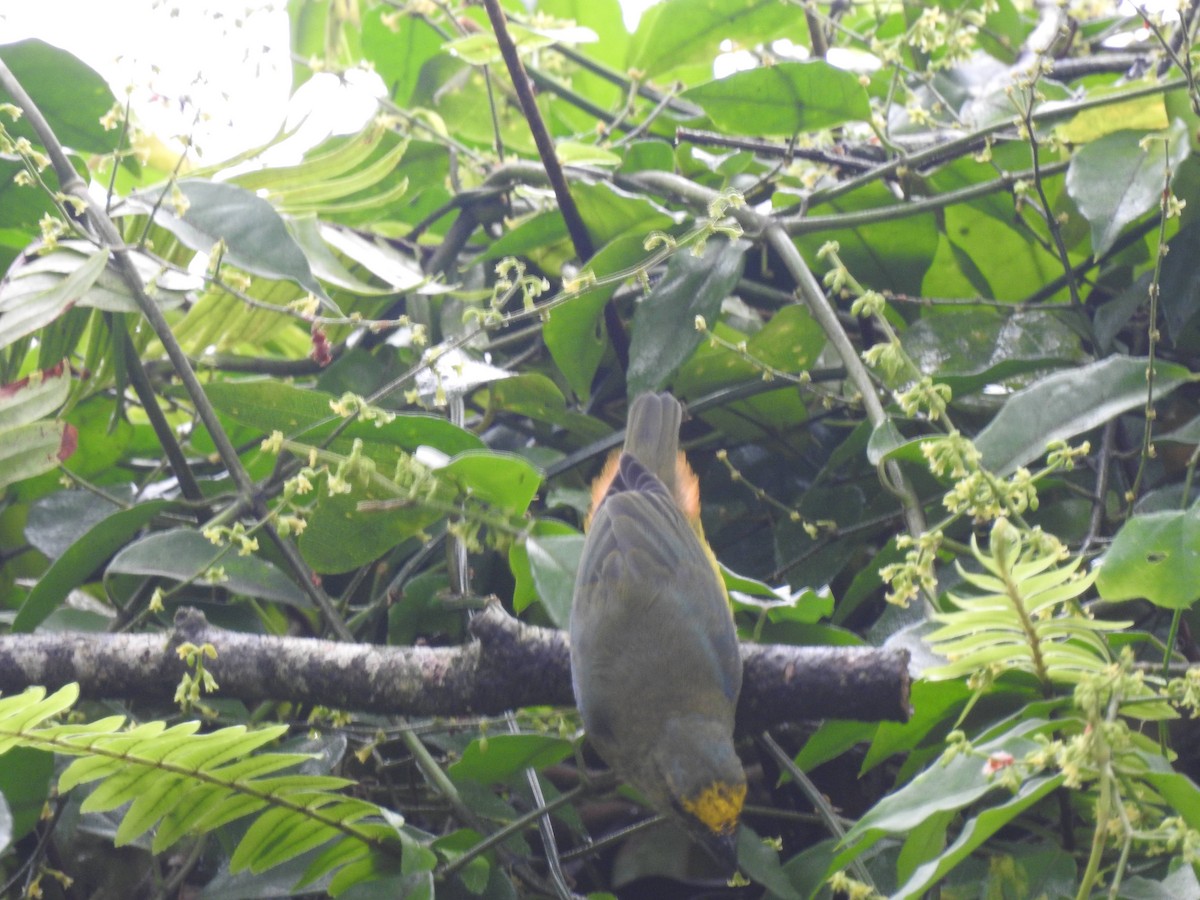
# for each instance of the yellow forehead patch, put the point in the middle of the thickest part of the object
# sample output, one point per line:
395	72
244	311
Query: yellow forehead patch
718	806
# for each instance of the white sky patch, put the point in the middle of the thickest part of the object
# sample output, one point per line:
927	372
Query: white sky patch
218	70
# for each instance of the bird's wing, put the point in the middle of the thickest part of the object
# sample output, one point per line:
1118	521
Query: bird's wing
647	591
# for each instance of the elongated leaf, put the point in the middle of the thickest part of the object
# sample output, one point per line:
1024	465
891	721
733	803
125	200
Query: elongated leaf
24	789
941	788
308	191
22	315
81	559
30	286
398	46
255	236
553	562
575	332
325	263
1179	285
185	555
977	830
480	48
664	330
499	757
1118	179
402	272
1069	403
536	396
525	590
783	99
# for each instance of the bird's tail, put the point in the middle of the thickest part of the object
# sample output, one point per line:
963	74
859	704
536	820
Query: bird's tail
652	438
652	435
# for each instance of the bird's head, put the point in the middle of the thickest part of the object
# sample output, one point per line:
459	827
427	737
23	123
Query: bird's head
704	783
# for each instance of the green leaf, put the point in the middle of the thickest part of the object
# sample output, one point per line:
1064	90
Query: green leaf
30	399
780	604
1155	557
578	153
790	342
1011	264
941	788
81	559
975	831
254	233
70	94
933	702
1142	114
679	33
477	871
341	537
760	861
398	270
833	738
325	263
1176	788
783	99
536	396
497	758
1069	403
609	212
879	254
500	479
1180	883
480	48
185	555
29	450
305	415
575	333
41	288
971	349
664	331
24	788
1118	179
525	590
553	563
398	46
22	314
1179	286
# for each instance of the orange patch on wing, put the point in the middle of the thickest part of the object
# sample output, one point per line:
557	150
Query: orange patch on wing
687	490
601	484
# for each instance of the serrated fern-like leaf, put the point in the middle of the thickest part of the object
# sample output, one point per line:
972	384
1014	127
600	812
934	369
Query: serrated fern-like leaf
1023	617
181	781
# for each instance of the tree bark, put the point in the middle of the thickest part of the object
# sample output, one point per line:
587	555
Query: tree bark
508	665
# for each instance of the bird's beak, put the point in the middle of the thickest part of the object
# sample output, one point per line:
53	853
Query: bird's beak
723	849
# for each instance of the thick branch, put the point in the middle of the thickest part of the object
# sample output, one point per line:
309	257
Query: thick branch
509	665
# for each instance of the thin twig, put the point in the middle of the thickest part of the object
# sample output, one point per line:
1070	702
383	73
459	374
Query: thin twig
820	805
580	239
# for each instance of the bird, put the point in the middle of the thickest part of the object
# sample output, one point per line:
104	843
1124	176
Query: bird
655	663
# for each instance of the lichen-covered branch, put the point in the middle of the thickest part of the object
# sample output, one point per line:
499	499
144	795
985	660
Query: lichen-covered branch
508	665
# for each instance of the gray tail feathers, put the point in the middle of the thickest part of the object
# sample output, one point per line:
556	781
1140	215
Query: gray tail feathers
652	435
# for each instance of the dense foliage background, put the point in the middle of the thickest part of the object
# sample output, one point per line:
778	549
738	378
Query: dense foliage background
908	266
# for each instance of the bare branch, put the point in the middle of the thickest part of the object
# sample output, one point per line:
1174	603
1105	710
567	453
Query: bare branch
508	665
